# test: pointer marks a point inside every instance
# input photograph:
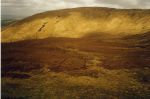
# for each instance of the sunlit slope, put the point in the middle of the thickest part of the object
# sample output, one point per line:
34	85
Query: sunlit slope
79	22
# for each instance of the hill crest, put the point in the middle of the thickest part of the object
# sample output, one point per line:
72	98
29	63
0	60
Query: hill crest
78	22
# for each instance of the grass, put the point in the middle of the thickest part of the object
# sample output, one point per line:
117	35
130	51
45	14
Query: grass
63	68
112	84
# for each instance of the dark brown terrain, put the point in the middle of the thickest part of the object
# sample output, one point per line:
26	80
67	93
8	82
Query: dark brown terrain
108	68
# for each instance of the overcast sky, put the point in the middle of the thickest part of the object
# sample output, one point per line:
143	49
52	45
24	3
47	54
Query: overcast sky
29	7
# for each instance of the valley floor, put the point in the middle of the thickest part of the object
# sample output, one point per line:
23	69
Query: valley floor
65	68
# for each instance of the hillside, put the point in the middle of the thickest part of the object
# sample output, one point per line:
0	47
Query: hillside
80	53
79	22
74	68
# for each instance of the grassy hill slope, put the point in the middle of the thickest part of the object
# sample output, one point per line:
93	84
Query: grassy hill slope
75	68
78	22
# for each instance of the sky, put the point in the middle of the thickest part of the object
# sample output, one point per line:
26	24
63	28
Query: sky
22	8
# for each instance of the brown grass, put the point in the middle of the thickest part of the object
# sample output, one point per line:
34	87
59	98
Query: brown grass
73	69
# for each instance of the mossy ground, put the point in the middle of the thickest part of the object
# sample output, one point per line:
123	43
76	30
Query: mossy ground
60	68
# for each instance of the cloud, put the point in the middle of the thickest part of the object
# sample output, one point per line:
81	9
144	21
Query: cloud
29	7
127	3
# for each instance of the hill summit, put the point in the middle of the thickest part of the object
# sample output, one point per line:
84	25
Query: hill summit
79	22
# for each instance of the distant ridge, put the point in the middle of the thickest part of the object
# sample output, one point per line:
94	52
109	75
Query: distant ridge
79	22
